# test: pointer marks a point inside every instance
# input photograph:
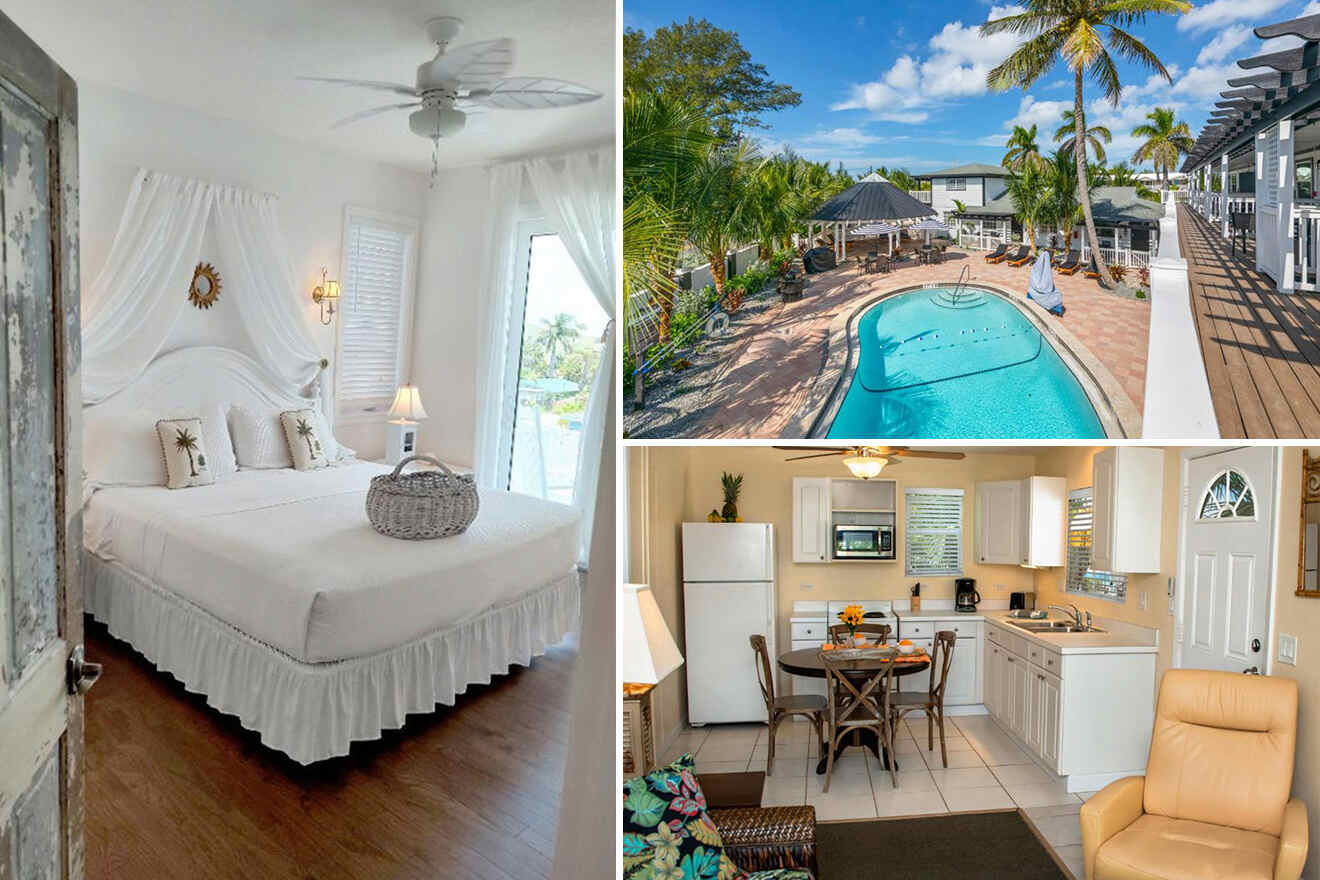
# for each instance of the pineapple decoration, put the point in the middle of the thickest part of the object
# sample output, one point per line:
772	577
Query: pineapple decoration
732	489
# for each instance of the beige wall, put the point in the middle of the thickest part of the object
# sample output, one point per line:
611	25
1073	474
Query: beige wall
657	480
1074	464
1298	616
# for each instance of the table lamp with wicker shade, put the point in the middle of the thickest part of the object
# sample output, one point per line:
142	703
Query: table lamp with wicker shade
647	654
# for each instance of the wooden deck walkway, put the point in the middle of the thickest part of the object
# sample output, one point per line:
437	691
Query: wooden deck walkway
1261	348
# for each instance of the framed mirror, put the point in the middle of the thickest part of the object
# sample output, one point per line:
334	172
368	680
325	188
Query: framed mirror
1308	563
205	287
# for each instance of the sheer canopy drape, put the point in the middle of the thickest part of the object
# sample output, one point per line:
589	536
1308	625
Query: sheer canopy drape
577	194
136	299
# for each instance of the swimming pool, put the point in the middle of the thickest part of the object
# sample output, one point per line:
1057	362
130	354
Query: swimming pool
934	363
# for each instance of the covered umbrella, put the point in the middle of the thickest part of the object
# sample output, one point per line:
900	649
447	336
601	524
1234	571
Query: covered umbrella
929	225
869	229
1041	286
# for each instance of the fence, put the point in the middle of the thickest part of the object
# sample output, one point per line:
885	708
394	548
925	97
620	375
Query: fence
921	195
1306	250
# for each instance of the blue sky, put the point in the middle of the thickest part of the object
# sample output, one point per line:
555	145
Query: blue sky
904	83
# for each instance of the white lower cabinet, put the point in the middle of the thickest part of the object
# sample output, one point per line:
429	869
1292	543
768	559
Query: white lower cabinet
1084	716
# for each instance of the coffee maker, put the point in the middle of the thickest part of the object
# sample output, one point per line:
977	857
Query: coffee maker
965	595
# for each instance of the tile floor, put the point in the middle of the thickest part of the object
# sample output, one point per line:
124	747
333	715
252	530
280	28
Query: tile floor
986	771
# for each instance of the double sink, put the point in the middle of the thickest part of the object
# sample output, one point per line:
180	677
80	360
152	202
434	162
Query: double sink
1053	626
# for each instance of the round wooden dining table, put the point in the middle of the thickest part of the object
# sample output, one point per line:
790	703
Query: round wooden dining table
807	662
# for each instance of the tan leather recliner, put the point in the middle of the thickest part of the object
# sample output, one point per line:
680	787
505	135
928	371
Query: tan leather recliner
1214	801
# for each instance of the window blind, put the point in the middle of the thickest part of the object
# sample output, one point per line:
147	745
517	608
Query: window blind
1081	577
933	531
371	310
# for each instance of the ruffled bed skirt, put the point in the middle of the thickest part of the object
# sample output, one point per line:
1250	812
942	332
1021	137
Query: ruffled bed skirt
314	711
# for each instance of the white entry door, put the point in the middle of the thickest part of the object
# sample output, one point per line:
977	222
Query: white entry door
1227	525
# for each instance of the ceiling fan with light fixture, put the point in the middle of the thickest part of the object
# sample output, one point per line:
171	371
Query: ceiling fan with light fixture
866	462
469	79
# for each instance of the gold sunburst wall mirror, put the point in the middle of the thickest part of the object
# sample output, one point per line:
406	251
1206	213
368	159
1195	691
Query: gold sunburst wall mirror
205	287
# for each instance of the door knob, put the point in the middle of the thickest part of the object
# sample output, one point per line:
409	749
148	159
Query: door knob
1255	646
82	675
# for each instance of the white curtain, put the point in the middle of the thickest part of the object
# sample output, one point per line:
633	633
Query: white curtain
264	285
133	304
578	195
494	411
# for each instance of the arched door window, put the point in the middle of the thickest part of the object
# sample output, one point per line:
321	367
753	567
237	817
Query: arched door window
1229	496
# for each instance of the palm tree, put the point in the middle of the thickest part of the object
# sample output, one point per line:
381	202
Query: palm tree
662	142
556	334
1166	140
1064	208
305	431
1096	136
1022	150
1031	198
721	206
1074	32
1120	175
184	440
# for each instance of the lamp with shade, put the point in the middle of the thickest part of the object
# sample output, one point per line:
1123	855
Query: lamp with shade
647	655
863	466
404	414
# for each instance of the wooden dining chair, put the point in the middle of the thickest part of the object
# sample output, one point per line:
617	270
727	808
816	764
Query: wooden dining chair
931	702
811	706
839	631
853	708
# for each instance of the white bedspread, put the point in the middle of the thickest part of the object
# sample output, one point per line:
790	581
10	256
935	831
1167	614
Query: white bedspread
289	558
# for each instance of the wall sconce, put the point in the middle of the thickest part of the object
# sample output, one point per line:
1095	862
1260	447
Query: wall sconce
324	295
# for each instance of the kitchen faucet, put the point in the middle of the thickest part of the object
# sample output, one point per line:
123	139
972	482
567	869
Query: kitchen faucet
1072	611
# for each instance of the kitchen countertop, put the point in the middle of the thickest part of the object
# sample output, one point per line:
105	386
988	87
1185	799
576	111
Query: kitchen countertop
1119	638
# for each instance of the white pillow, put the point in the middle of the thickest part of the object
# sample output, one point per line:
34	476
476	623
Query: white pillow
303	431
122	449
259	442
184	451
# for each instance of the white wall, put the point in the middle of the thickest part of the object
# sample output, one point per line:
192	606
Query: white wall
120	132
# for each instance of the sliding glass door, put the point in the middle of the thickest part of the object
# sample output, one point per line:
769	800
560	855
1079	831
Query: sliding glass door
555	348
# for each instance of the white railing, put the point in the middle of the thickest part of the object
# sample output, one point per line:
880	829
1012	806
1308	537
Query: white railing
1241	203
1215	205
980	241
921	195
1306	247
1119	257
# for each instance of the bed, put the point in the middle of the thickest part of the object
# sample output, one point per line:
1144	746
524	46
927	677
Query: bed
270	593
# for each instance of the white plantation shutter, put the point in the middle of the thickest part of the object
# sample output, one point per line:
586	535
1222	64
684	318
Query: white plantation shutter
374	295
934	531
1081	577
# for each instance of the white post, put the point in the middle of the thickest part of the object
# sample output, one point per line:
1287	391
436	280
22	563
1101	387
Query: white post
1223	195
1286	187
1262	195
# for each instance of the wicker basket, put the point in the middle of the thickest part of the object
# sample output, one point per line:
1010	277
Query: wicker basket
423	504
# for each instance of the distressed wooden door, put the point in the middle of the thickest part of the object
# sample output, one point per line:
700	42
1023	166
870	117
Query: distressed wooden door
41	729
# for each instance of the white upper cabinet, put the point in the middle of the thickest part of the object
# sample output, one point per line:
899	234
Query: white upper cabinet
999	520
811	519
1127	486
1022	522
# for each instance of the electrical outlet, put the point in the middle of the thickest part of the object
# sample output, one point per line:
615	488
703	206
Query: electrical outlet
1288	649
1143	600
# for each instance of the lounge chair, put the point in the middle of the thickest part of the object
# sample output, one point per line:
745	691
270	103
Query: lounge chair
1070	264
1023	255
997	254
1092	271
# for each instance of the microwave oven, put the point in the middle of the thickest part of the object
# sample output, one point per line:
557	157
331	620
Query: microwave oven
863	541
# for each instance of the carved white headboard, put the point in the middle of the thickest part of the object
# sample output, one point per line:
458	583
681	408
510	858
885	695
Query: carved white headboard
187	379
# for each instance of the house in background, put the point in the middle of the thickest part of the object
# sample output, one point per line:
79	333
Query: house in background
975	185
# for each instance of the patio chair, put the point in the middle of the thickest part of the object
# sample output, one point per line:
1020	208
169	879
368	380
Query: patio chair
1022	258
1071	263
997	254
1092	270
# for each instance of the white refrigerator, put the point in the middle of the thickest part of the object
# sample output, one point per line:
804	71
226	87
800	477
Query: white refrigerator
728	596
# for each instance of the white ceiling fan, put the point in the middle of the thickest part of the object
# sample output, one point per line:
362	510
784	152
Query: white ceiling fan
469	79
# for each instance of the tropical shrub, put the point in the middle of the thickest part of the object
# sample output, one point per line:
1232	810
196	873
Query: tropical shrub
1118	272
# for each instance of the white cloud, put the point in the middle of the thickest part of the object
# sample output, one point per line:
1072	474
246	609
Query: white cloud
957	67
1221	12
847	138
1223	43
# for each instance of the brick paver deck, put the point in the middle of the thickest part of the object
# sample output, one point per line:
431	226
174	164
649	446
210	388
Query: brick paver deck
1261	347
767	377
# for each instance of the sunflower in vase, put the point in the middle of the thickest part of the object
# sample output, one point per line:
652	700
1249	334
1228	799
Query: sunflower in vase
852	617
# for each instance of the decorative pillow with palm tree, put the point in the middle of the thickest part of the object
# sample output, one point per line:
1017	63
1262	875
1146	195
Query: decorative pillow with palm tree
305	431
182	446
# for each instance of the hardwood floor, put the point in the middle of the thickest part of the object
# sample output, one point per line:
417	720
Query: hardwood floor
175	789
1261	347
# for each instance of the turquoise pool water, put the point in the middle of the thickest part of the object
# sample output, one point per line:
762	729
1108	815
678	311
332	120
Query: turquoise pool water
936	364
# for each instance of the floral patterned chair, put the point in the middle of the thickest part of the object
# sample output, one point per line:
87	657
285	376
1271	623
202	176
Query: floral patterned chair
669	834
